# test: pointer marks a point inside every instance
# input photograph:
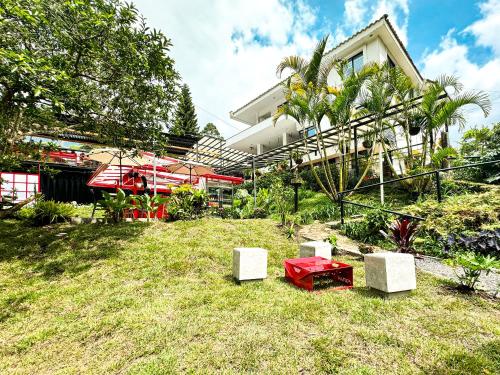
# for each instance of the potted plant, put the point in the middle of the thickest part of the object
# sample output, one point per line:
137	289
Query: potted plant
297	157
367	143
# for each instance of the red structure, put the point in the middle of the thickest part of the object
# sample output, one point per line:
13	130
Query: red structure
18	186
302	272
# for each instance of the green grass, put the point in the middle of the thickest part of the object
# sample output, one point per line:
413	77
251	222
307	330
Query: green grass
159	298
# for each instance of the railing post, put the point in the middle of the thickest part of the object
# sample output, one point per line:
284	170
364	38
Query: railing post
342	213
438	187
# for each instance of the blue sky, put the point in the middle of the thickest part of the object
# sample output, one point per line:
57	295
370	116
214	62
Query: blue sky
227	50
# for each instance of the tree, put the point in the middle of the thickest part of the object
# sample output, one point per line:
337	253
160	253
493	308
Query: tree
185	122
211	129
310	99
83	65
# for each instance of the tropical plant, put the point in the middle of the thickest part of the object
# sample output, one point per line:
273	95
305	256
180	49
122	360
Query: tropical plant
472	265
149	204
486	242
402	232
45	212
281	198
187	203
310	99
115	205
185	121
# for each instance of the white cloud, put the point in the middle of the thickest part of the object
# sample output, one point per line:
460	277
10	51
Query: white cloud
452	57
227	51
358	13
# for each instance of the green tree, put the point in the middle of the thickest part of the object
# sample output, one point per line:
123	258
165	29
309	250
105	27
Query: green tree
211	129
83	65
185	115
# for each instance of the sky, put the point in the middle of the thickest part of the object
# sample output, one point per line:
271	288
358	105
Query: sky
227	50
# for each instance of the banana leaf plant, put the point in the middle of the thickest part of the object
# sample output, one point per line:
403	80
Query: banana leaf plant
149	204
115	205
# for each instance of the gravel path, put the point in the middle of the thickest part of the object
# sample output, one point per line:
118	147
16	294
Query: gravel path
319	232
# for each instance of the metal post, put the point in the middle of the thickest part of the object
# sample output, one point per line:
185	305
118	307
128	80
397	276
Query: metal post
342	212
254	184
356	161
438	187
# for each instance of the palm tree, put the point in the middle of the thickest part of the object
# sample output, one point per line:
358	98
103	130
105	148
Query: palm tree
305	91
435	113
310	99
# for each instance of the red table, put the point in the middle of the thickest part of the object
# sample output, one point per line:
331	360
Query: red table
302	272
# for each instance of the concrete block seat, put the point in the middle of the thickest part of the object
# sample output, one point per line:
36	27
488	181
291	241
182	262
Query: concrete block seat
315	249
249	263
391	274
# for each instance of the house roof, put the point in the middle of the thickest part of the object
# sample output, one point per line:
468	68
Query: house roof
384	18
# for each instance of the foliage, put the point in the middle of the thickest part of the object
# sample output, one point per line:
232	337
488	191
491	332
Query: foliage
187	203
402	234
211	129
457	214
472	266
368	230
480	145
486	242
45	212
90	65
333	241
309	99
114	205
185	122
149	204
282	200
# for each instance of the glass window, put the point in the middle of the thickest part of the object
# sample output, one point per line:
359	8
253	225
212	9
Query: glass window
390	62
355	63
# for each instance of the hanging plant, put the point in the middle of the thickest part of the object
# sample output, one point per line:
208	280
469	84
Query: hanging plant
297	157
367	143
414	130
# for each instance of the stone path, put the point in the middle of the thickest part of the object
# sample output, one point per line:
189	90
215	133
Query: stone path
320	231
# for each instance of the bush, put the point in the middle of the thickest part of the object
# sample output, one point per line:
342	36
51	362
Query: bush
333	241
486	242
282	199
114	205
45	212
369	229
472	266
187	203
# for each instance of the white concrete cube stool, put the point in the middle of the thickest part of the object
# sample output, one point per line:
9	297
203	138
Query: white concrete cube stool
390	273
315	249
249	263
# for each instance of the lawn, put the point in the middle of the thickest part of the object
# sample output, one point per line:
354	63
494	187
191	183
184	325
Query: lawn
159	298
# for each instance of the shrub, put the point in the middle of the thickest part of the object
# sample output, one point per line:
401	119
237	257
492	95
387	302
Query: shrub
45	212
333	241
114	205
149	204
369	229
486	242
187	203
281	198
402	233
472	266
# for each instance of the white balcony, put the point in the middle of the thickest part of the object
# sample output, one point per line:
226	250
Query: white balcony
265	136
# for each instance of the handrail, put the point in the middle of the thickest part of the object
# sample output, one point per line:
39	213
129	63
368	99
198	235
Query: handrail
420	174
438	189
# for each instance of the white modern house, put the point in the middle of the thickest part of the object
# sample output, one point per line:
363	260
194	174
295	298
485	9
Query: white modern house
376	43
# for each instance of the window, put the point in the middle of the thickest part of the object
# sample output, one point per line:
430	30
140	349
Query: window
308	132
355	63
390	62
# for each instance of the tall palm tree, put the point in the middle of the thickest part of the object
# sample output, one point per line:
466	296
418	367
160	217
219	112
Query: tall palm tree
436	112
306	91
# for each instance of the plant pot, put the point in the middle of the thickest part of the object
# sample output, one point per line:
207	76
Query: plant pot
298	161
367	144
414	130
